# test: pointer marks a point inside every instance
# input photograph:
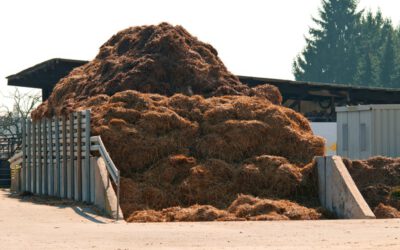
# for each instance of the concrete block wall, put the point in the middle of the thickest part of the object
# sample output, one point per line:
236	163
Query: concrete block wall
337	191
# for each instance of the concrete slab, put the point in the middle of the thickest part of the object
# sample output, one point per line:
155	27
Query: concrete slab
105	196
337	191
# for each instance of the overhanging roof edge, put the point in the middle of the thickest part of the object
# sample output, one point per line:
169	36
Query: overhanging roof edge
43	64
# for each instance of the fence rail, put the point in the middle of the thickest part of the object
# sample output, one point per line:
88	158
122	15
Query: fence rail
9	145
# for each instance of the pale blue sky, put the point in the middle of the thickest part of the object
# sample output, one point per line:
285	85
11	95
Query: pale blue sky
258	38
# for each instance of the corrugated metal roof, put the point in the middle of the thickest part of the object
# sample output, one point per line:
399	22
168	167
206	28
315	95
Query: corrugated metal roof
248	79
367	107
46	74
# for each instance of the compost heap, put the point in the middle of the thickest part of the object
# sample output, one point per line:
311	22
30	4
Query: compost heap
378	179
192	142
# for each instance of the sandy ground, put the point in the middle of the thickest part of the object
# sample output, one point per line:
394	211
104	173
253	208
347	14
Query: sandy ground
25	225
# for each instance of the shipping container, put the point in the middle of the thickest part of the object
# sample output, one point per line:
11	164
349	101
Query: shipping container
368	130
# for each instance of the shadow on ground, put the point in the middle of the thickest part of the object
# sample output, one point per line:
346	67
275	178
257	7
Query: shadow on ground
86	211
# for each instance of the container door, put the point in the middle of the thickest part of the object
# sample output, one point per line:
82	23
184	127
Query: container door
343	134
354	135
365	132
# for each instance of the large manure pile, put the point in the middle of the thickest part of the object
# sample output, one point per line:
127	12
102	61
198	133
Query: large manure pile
378	180
187	136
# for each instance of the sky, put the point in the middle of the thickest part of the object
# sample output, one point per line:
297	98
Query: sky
253	37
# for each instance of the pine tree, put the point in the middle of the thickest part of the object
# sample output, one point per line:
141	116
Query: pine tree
388	62
370	45
396	77
367	71
331	51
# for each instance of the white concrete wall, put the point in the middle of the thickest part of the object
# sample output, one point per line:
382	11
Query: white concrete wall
105	196
337	191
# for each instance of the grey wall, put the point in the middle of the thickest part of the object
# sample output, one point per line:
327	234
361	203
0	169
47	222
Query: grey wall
337	191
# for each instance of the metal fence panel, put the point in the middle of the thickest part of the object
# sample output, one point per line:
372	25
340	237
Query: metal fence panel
55	156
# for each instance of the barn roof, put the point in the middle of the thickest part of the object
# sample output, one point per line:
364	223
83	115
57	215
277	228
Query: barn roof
46	74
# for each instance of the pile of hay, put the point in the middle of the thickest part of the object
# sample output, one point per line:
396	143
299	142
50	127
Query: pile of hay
245	207
181	180
378	179
183	130
386	212
161	59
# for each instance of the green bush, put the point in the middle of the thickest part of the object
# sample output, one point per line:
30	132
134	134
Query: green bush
395	193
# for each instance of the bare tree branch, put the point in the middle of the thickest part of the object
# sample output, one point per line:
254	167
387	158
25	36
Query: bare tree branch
10	119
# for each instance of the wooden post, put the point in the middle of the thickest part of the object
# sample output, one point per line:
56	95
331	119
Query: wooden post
64	156
70	172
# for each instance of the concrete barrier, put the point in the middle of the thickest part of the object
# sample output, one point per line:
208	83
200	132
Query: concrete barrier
105	196
337	191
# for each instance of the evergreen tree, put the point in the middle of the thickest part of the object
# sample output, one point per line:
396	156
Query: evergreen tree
396	77
331	51
388	62
367	71
370	45
348	47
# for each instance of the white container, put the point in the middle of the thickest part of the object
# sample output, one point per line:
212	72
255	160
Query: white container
327	130
368	130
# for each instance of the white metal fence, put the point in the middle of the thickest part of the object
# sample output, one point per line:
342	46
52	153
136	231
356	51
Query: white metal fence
56	157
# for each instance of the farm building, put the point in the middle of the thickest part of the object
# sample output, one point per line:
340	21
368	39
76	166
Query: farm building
178	141
317	101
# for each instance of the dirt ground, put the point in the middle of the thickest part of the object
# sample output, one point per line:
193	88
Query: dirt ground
27	225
